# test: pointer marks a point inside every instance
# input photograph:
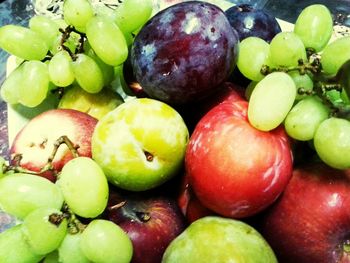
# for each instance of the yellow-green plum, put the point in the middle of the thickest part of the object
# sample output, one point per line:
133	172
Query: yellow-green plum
140	144
96	105
216	240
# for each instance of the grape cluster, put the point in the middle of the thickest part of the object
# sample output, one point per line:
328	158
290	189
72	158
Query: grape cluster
48	230
299	80
83	49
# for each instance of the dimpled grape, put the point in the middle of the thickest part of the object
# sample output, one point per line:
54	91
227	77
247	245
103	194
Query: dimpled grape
42	235
304	118
70	251
15	249
103	242
271	100
61	70
332	142
314	26
252	22
184	52
253	54
107	40
335	55
47	28
303	84
84	187
34	83
88	74
286	48
132	14
77	13
20	194
9	89
22	42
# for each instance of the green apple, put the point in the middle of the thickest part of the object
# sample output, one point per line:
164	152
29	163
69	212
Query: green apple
217	240
96	105
140	144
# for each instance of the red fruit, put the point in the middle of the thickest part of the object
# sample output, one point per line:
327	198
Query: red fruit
35	141
235	169
311	220
189	204
150	221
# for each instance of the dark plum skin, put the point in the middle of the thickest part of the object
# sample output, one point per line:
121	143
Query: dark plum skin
184	52
249	21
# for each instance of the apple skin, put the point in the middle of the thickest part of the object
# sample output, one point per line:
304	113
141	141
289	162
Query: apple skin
35	141
151	221
141	144
216	240
189	204
311	220
234	169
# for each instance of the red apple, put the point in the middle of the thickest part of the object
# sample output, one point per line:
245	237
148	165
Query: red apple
311	220
151	222
189	204
234	169
35	142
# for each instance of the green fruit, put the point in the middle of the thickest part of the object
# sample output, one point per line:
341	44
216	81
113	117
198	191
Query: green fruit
218	240
141	144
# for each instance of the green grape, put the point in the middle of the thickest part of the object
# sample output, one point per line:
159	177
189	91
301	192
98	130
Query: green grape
332	142
2	166
103	242
105	11
35	83
20	194
52	258
42	235
88	74
84	187
61	69
133	14
22	42
69	250
314	26
286	48
271	100
15	249
77	13
107	70
107	40
253	54
249	89
344	96
10	88
303	83
96	105
335	55
47	28
304	118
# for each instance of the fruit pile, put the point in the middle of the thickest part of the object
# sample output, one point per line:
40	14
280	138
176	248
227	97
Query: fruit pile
189	133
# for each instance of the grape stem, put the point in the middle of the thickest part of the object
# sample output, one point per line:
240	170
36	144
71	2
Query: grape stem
65	36
16	160
314	67
74	224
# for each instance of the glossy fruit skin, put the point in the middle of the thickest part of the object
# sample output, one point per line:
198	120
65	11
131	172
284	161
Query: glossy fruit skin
189	204
151	221
311	220
36	140
184	52
249	21
234	169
